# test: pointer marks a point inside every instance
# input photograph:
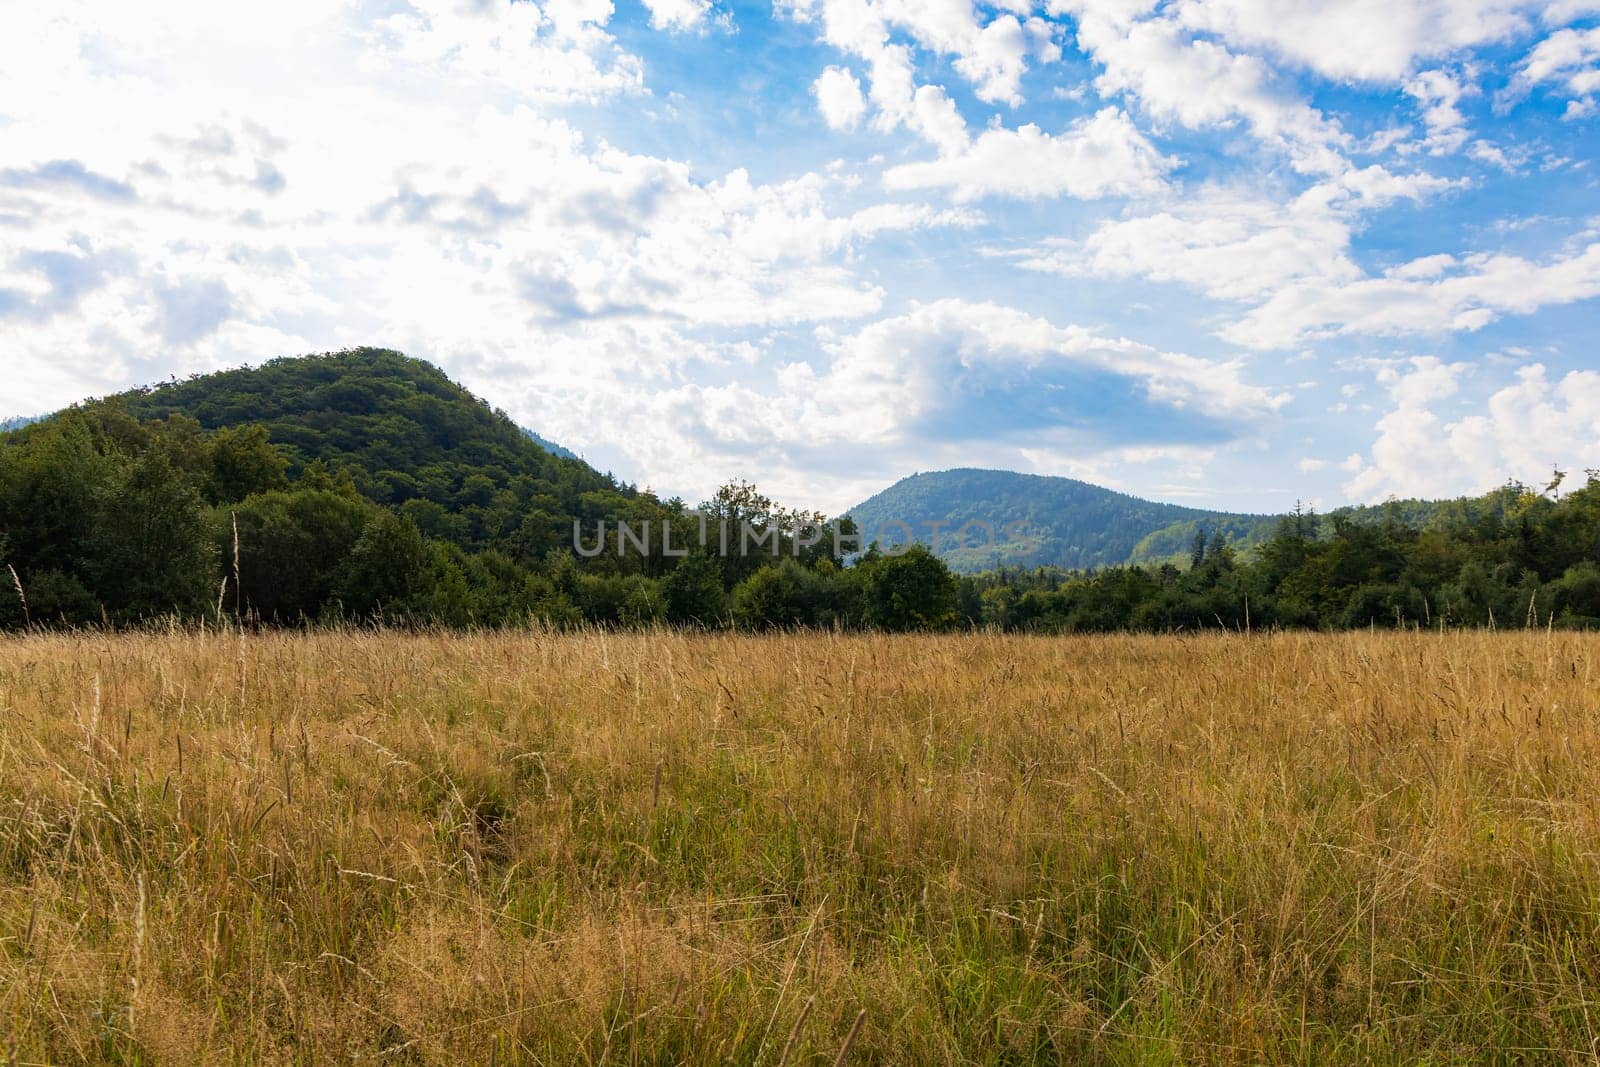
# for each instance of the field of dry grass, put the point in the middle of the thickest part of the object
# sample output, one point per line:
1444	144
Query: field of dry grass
705	849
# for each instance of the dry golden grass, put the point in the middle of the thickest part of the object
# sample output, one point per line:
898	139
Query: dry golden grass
667	848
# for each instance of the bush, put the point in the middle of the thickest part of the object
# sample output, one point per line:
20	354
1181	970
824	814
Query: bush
912	591
694	593
783	595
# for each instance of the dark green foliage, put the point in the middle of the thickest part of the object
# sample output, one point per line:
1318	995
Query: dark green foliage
398	427
99	520
550	446
1575	596
383	569
148	552
1513	558
910	591
694	593
786	595
244	462
294	549
1059	522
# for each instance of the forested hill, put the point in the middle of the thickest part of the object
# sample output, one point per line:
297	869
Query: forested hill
353	483
398	426
404	436
1074	525
1070	524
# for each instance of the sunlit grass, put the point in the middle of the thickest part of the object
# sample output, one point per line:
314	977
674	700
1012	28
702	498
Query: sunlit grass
671	848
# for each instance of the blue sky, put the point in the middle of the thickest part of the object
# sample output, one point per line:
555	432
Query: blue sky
1229	252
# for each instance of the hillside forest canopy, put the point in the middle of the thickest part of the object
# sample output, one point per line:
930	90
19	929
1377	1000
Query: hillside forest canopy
366	487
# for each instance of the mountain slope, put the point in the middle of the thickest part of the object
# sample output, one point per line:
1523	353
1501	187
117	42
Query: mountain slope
407	438
350	483
399	426
1076	525
1070	524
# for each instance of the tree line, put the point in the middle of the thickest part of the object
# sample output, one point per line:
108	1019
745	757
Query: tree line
109	518
1516	557
106	519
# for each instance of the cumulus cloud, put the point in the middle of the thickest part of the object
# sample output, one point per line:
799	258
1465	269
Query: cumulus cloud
464	225
1200	83
1359	40
1228	245
948	382
1430	295
429	174
991	56
1569	59
189	310
951	363
839	98
558	52
66	176
677	14
1232	245
1103	155
1524	429
1439	95
1291	264
41	283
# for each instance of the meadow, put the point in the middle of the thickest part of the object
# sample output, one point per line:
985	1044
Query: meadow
811	848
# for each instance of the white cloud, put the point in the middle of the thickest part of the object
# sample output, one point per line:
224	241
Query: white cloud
677	14
1358	40
1199	83
995	60
899	369
939	120
1568	58
171	208
839	98
992	56
1425	296
1439	94
1232	245
1103	155
187	186
1227	245
1525	428
1291	263
559	53
949	382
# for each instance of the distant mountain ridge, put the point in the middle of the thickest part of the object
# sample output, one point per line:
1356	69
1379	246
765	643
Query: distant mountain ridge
1075	525
1068	523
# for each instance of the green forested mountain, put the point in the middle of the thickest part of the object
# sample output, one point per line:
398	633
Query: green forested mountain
1066	523
364	484
1073	525
406	436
